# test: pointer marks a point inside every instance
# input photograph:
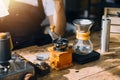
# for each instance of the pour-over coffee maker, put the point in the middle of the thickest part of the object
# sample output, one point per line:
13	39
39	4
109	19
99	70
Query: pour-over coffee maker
83	47
83	44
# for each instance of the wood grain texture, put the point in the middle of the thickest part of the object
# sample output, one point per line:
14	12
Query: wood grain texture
106	68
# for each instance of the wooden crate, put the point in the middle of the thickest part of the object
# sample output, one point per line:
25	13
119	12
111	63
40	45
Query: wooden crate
112	14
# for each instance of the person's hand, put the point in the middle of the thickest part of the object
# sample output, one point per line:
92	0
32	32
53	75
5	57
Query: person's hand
59	17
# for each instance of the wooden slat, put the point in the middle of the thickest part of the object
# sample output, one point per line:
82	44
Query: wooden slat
114	37
109	10
115	29
115	20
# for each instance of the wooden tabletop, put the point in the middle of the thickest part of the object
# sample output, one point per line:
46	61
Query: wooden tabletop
106	68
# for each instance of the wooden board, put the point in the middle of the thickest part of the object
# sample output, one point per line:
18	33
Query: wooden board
106	68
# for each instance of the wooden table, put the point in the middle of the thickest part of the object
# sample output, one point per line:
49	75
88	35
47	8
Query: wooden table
106	68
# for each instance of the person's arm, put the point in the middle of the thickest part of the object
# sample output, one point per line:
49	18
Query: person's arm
54	10
59	17
50	18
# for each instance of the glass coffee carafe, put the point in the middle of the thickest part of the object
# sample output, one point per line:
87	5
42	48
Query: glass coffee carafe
83	45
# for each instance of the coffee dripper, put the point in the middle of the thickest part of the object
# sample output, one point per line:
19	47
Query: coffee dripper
83	44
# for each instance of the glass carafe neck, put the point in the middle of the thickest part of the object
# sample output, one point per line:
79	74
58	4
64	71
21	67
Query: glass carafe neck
83	25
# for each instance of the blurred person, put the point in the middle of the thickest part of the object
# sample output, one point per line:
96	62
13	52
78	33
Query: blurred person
25	18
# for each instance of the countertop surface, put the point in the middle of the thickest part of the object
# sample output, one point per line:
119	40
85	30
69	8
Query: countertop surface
106	68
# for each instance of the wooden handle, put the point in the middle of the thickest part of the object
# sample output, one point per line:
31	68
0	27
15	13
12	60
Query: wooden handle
52	28
3	35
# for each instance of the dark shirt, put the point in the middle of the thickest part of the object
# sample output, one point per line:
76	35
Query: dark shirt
23	21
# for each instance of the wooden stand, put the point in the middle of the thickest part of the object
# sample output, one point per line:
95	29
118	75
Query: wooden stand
60	60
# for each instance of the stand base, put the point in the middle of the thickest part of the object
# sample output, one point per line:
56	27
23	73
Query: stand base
82	59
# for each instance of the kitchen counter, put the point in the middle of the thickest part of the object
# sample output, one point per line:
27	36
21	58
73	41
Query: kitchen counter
106	68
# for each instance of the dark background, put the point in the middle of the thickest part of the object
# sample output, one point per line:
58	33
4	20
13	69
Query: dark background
90	9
